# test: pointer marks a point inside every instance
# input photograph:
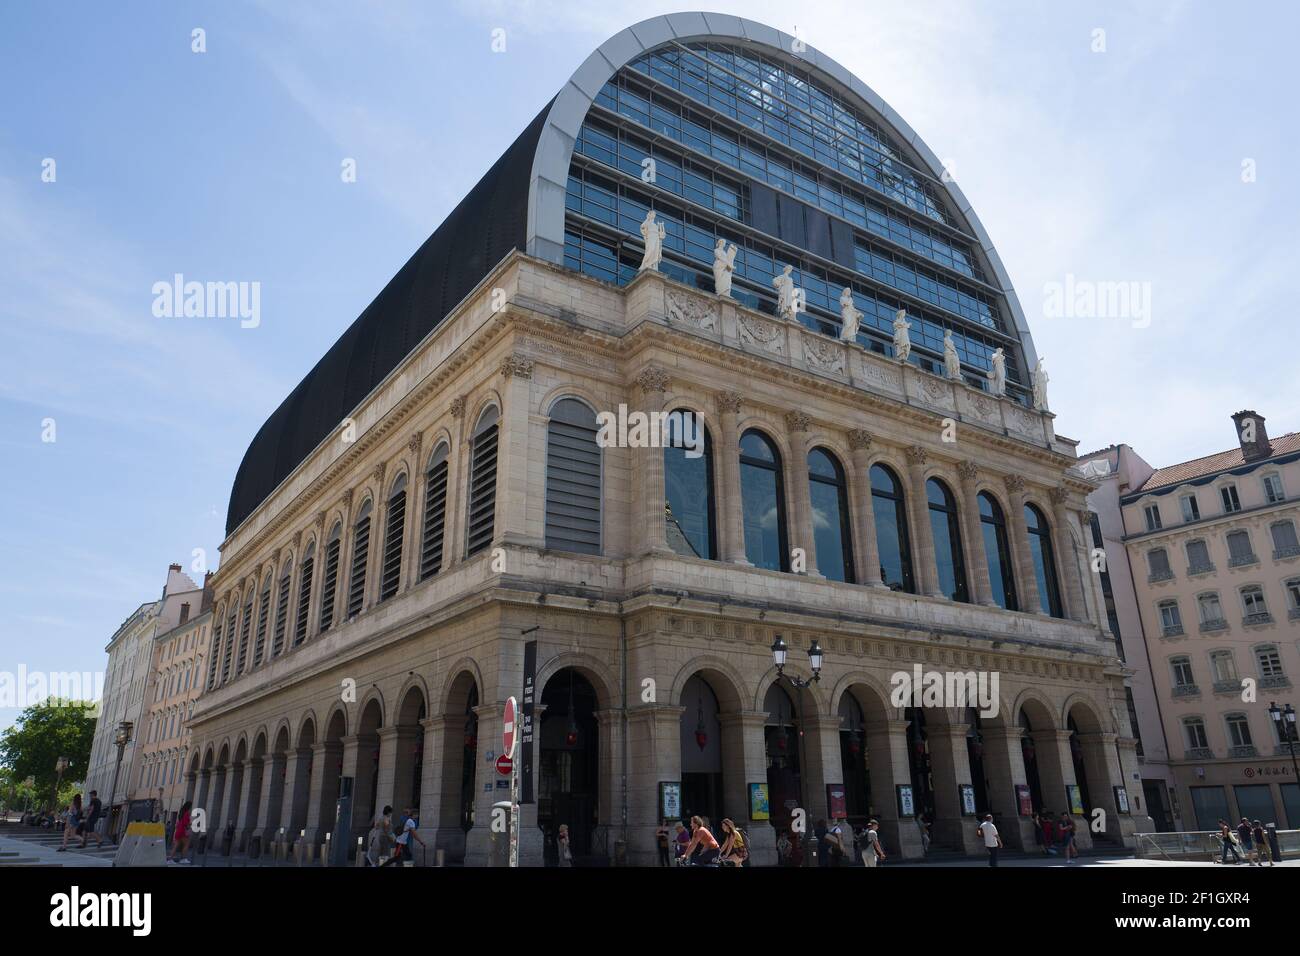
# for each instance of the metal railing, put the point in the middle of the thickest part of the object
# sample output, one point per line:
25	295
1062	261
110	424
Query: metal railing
1193	845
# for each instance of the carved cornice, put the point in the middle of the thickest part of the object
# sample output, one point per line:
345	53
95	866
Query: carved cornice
729	402
916	455
518	365
859	439
797	421
652	379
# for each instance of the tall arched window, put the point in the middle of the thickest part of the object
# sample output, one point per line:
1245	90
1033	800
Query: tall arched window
228	651
997	552
304	594
1040	551
482	483
245	626
390	574
330	582
688	486
891	529
360	559
435	512
263	617
216	650
762	497
281	626
830	516
948	557
572	479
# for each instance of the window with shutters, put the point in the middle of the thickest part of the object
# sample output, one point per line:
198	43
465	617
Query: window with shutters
281	611
330	582
1285	544
245	628
1198	557
263	616
435	512
229	648
1158	565
360	558
390	575
216	651
1240	552
481	522
572	479
304	595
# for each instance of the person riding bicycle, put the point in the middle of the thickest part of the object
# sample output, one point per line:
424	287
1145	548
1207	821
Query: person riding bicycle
734	851
703	846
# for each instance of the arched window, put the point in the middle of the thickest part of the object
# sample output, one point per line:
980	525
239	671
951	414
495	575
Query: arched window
390	574
482	483
572	479
435	512
330	584
762	497
997	552
688	487
948	557
891	529
245	627
216	651
304	594
228	650
281	610
360	558
263	617
830	516
1040	551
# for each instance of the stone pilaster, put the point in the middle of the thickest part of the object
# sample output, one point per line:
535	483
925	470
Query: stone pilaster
728	464
796	424
1026	579
973	534
927	574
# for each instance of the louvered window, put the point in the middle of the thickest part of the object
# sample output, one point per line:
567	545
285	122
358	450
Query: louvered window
394	529
435	513
230	644
244	629
482	484
329	586
360	555
304	596
263	615
281	612
216	652
572	479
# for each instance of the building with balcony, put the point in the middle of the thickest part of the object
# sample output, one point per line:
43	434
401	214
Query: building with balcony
439	516
1216	571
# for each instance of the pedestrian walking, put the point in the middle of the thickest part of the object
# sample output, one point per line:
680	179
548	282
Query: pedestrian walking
1038	833
404	851
837	851
1261	843
873	853
1065	834
71	822
566	854
181	835
94	811
1245	834
992	841
662	844
1229	840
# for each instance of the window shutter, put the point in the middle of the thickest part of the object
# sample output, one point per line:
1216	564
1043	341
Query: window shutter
281	615
304	600
572	479
263	614
329	585
482	490
435	519
360	555
391	573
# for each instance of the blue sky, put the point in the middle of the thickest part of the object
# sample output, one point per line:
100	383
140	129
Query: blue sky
1115	165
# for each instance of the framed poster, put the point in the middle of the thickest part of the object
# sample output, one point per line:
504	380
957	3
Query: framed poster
1121	799
1024	800
835	801
670	800
966	795
758	807
1075	798
906	806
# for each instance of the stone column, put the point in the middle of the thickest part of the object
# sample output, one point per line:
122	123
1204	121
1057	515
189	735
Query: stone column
1067	558
190	779
889	767
444	756
358	759
272	797
923	561
1101	762
949	768
324	790
405	789
1026	579
652	496
520	510
201	795
728	471
822	750
865	548
250	800
654	755
973	534
1004	768
386	785
799	495
297	791
608	780
453	547
744	761
1055	773
218	803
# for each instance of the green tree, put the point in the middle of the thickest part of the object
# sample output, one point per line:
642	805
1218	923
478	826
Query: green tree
43	734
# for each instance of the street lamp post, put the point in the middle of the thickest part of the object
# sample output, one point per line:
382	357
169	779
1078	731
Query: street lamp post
1286	731
121	739
779	653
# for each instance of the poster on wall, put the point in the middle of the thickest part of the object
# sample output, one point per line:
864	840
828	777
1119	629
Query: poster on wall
1024	800
906	806
670	800
835	801
1075	797
966	792
758	808
1121	799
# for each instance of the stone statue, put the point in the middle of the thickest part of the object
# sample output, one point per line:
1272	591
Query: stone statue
997	375
724	264
902	342
653	234
951	363
1040	386
850	317
786	294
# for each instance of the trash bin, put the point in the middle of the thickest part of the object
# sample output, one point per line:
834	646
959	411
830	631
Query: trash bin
1274	848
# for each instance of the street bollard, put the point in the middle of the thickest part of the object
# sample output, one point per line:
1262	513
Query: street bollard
361	852
325	850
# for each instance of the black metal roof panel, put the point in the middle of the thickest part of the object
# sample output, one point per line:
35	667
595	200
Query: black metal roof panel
479	232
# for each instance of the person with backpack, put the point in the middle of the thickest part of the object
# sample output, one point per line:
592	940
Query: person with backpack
1229	840
834	841
404	850
873	853
1245	835
735	848
71	822
94	812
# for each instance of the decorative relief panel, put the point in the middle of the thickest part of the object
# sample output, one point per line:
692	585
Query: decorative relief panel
823	355
692	311
760	335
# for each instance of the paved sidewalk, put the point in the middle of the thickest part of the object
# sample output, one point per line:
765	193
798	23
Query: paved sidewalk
43	852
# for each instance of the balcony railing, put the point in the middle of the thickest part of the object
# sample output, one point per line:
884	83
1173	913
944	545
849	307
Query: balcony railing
1259	617
1172	630
1187	690
1195	569
1156	577
1242	560
1218	624
1243	750
1293	614
1227	686
1199	753
1275	681
1280	554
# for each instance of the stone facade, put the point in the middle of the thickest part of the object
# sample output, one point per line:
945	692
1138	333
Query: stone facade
404	697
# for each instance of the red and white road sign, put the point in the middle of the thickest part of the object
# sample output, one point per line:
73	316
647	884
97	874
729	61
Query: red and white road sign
508	731
505	765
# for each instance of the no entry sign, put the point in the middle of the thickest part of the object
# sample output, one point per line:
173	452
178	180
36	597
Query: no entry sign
508	731
504	765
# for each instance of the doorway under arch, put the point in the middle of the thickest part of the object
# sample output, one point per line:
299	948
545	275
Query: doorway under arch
568	771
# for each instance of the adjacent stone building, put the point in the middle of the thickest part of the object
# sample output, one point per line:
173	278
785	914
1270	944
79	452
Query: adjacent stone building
1216	568
439	493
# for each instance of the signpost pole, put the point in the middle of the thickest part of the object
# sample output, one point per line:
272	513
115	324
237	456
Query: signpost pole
509	738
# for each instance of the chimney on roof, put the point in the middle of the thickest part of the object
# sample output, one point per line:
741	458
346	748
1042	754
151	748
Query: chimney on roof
1252	435
173	567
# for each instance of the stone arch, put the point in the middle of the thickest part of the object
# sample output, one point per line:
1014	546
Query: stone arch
589	666
798	669
412	696
282	738
336	724
260	741
572	390
487	398
455	689
305	724
373	702
723	678
1080	706
875	704
1042	713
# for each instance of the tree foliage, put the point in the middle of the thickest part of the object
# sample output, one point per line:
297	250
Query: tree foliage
43	734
